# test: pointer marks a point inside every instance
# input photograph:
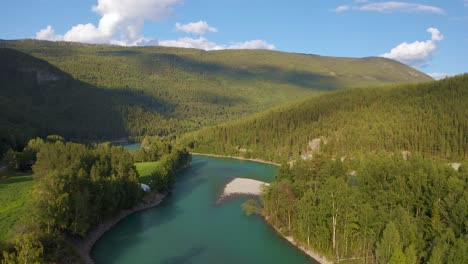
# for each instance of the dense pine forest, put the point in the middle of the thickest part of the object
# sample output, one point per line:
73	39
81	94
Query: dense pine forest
76	187
379	208
83	91
429	118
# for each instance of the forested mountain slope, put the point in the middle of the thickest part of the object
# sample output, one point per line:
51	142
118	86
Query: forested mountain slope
429	118
37	99
107	92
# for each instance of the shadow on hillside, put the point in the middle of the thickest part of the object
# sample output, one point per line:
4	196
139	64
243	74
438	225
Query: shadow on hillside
299	78
39	99
123	53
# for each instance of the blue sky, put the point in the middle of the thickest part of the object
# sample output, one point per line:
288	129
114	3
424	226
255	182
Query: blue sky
429	35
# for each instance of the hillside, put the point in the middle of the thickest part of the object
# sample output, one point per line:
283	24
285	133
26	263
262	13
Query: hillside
428	118
84	91
37	99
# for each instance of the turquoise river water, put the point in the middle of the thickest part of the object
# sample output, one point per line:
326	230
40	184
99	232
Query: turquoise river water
190	226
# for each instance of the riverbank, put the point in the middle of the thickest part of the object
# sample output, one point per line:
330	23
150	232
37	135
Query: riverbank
311	253
86	244
235	157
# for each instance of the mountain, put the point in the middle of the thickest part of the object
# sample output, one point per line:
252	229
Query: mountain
428	118
84	91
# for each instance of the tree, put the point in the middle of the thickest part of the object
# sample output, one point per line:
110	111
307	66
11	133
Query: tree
398	257
459	252
411	255
388	244
250	207
335	196
28	250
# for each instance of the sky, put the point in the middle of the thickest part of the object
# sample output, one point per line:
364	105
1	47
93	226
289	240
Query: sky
431	36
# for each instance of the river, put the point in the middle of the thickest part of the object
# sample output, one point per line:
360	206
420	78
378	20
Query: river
189	226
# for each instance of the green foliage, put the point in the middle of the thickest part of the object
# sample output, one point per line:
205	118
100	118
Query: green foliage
428	118
373	208
152	149
388	249
28	249
161	161
107	92
79	186
398	257
251	206
459	252
163	177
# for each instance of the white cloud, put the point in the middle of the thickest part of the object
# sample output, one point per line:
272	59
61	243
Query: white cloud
195	43
341	8
440	76
48	33
418	52
141	9
205	44
435	34
199	28
252	44
121	21
392	7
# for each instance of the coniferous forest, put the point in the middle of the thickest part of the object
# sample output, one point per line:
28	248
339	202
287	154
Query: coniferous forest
377	208
428	118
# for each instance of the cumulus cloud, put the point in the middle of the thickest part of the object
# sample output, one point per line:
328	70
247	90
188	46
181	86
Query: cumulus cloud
392	7
252	44
195	43
48	33
418	52
121	21
199	28
205	44
440	76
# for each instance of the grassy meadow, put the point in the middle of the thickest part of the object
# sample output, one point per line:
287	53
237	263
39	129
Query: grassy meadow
15	193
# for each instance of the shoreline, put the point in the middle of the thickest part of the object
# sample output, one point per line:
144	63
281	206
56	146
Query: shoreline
309	252
236	157
85	245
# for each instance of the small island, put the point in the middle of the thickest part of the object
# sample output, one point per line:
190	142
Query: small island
243	186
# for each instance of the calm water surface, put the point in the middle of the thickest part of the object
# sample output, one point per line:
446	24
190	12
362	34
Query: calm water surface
191	227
